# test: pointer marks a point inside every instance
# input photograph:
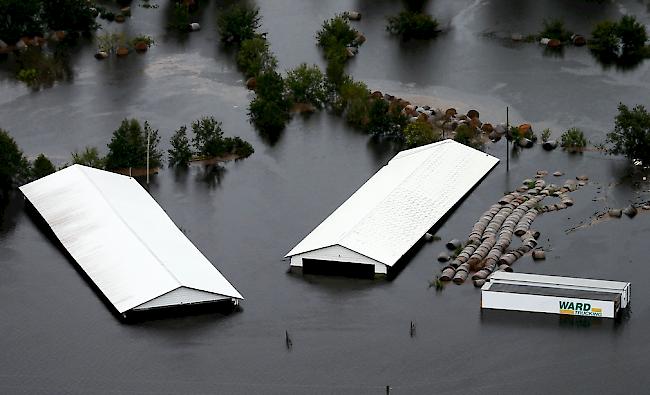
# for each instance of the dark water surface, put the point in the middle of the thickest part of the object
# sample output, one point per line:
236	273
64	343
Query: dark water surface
349	335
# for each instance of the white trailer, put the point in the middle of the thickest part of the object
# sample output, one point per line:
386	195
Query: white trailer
554	294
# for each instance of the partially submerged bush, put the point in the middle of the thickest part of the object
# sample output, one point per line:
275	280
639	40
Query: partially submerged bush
88	157
335	36
306	84
237	23
554	29
269	111
631	134
128	146
14	167
546	134
354	100
38	68
208	137
385	120
420	133
468	135
180	17
619	40
254	57
180	154
42	167
573	140
409	24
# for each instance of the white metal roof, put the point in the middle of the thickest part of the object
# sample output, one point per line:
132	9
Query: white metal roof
544	280
386	216
121	237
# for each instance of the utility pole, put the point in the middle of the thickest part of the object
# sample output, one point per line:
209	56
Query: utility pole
148	139
507	140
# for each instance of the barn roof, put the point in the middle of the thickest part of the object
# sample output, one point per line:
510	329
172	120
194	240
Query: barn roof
386	216
123	240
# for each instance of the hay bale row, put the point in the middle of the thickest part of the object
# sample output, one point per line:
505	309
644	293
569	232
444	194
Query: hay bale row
524	223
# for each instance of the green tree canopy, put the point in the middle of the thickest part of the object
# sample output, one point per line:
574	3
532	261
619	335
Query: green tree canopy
420	133
239	22
88	157
254	57
14	167
208	137
181	153
128	146
42	167
631	134
409	24
306	84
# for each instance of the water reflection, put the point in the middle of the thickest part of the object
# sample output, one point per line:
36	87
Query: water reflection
523	320
211	175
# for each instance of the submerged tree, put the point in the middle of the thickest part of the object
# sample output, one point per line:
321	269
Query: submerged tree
409	24
254	57
88	157
181	153
42	167
128	146
306	84
14	167
420	133
208	137
631	134
237	23
269	111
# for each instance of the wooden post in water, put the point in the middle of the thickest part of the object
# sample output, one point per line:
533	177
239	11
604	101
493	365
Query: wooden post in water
388	390
507	141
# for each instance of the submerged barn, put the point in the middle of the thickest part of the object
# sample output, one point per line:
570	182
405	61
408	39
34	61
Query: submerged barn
125	242
384	218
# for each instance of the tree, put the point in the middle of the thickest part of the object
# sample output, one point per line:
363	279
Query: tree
555	29
420	133
128	146
384	120
20	18
88	157
632	34
14	167
631	134
71	15
208	137
254	57
573	140
306	84
180	154
269	111
42	167
409	24
354	99
238	23
336	33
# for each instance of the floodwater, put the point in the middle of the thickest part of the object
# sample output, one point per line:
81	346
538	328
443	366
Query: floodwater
349	335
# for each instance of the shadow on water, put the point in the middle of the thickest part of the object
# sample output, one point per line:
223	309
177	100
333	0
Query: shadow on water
10	208
625	62
211	175
523	319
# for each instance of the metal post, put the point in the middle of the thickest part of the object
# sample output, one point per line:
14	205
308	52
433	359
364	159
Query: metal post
507	141
148	138
388	390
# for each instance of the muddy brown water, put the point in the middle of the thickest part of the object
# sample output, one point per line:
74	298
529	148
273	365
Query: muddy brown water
348	335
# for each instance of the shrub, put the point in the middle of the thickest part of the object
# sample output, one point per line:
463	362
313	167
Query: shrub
42	167
336	33
420	133
142	39
254	57
88	157
181	153
180	18
20	18
269	111
631	134
605	37
70	15
546	134
39	69
235	145
384	120
467	135
14	167
306	84
555	29
128	146
573	139
238	23
632	34
354	100
208	137
409	24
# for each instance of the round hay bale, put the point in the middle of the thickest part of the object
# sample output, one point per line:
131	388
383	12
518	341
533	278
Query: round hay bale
447	274
578	40
487	128
141	47
525	129
544	41
505	268
472	114
558	174
251	83
539	255
550	145
450	112
478	283
119	18
630	211
615	212
428	237
359	39
460	277
122	51
525	143
353	15
443	257
554	43
101	55
582	178
453	244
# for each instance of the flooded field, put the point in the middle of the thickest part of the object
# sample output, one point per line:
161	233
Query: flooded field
348	335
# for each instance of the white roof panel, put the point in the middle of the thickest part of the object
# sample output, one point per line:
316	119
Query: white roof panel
121	237
539	279
386	216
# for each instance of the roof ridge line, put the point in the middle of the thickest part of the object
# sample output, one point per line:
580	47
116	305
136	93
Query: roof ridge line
81	169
